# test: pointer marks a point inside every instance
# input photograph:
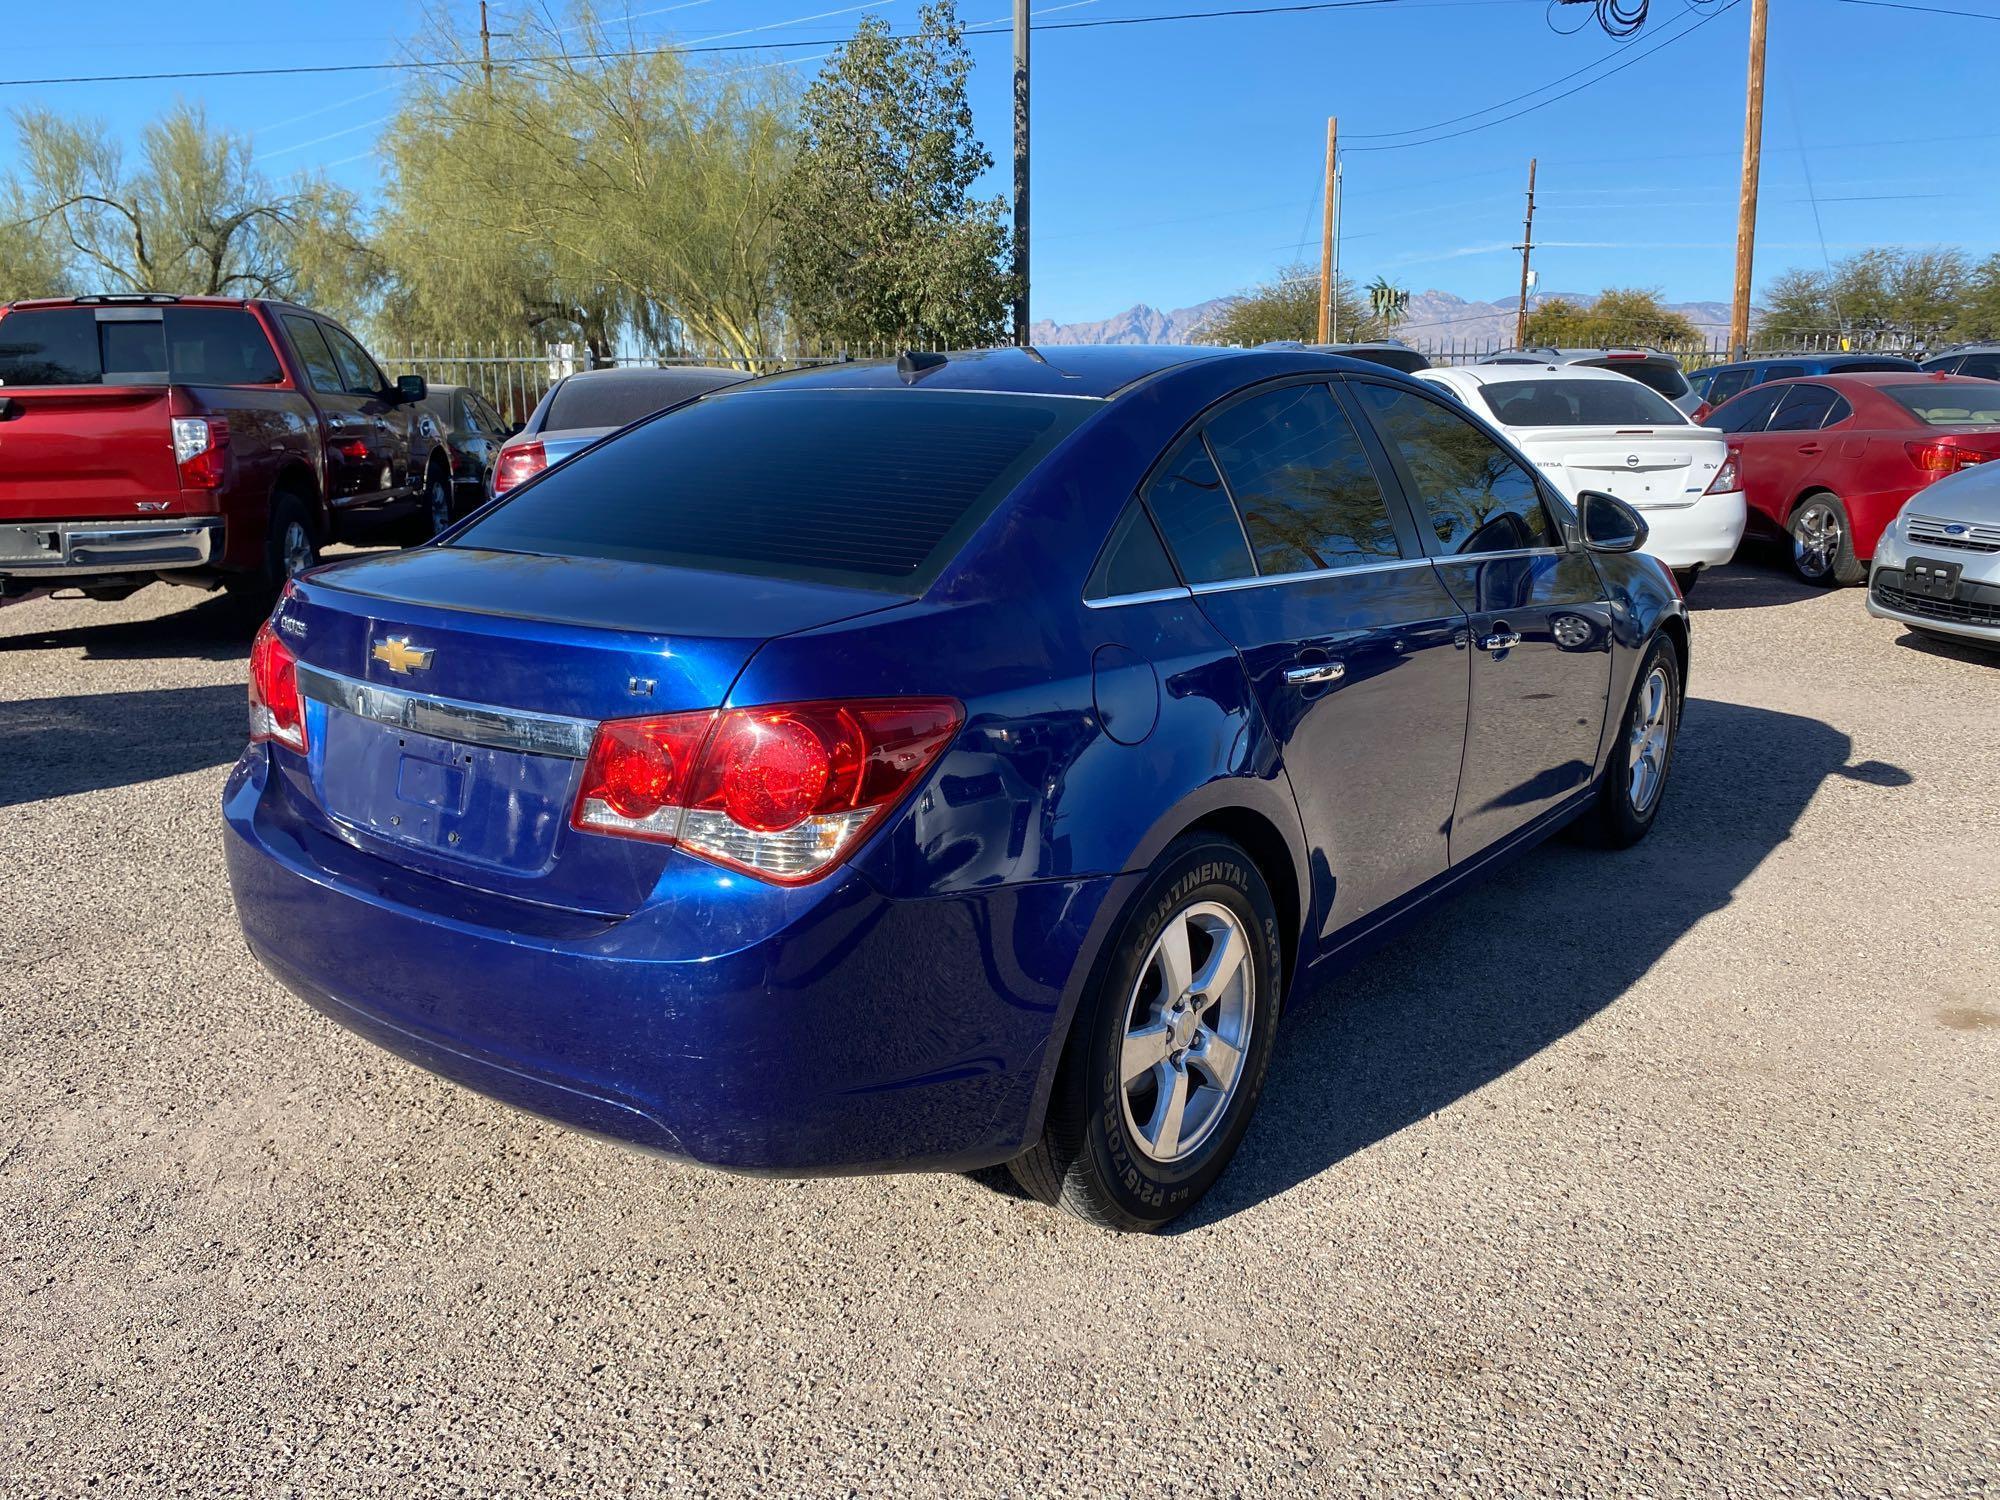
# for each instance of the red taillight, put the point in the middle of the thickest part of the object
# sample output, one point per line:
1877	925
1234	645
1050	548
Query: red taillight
782	792
1728	477
1942	458
517	464
201	445
276	711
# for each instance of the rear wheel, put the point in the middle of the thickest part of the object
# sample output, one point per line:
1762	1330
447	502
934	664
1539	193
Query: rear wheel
1822	540
1635	776
1167	1055
291	545
438	498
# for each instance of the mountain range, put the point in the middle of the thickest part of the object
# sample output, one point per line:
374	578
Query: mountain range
1434	318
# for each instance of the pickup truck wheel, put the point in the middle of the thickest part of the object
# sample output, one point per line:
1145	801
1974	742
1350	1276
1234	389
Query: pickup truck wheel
291	545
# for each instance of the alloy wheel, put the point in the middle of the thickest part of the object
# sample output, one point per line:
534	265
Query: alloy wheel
440	503
1816	535
297	549
1187	1031
1648	738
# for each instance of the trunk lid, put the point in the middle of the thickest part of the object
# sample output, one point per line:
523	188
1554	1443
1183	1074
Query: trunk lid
1649	468
88	453
452	693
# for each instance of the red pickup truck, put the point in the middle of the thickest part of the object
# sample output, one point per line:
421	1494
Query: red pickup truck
199	440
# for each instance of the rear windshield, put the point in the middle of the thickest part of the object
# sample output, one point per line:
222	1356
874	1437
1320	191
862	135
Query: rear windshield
186	345
618	397
1656	375
1953	403
869	488
1557	402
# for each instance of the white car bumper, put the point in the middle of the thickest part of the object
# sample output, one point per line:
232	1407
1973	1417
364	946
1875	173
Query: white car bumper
1968	608
1702	535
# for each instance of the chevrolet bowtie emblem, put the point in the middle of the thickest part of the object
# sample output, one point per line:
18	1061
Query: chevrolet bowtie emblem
398	655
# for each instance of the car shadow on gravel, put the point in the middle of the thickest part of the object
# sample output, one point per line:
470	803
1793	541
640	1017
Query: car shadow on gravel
1759	578
56	747
1486	982
218	628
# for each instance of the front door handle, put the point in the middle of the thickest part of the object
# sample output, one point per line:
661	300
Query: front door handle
1809	448
1500	640
1315	672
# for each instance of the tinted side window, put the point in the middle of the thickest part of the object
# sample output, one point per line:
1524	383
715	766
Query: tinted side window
1302	482
1781	372
1728	383
1840	411
1477	498
313	353
1802	409
1195	516
1981	366
1133	561
1747	413
356	368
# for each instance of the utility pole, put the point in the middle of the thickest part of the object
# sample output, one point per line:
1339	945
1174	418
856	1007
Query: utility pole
485	47
1021	172
1746	213
1326	233
1527	248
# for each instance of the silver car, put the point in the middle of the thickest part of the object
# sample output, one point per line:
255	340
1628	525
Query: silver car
579	409
1937	567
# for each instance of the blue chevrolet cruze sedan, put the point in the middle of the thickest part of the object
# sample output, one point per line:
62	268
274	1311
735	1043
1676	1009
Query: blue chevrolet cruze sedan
941	763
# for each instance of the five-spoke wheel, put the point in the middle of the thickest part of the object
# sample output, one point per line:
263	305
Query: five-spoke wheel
1186	1026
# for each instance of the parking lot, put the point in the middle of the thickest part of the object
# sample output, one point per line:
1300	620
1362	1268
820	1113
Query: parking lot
1674	1171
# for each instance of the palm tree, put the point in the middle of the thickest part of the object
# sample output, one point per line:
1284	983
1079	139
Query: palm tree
1388	301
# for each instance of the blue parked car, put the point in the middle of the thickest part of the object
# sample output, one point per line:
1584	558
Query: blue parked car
1716	384
941	763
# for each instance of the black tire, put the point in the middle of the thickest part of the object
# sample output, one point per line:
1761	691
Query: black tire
440	501
1822	542
1620	818
291	545
1090	1161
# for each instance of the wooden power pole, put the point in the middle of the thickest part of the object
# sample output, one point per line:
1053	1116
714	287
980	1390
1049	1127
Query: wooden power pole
1527	248
1021	172
1326	235
1746	213
485	47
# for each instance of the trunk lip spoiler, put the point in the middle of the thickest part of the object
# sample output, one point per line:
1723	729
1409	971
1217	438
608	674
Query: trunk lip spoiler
519	729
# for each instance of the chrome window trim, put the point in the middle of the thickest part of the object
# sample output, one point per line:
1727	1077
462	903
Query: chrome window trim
1480	557
1260	580
1148	596
451	718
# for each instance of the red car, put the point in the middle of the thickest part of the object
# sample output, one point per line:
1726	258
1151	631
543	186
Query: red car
1827	461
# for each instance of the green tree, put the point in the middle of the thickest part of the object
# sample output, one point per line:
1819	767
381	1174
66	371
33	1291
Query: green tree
1925	293
881	239
193	215
1630	315
597	189
31	262
1287	308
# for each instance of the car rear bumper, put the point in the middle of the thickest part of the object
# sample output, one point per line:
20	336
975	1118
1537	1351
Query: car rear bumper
857	1034
62	549
1704	534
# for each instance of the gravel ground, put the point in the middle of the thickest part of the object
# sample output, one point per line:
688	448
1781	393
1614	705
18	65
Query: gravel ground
1670	1172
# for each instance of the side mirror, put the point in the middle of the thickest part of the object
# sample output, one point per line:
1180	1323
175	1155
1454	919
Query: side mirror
411	388
1609	524
515	429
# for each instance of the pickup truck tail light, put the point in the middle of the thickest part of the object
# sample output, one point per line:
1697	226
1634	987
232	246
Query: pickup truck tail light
524	461
276	710
782	792
1937	459
201	444
1728	477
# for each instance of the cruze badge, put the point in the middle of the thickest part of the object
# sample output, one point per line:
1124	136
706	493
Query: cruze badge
398	655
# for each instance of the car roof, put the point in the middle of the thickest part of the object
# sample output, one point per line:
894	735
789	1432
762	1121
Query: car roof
1626	353
1089	370
1484	374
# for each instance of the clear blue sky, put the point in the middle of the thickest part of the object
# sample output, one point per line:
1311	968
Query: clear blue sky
1180	161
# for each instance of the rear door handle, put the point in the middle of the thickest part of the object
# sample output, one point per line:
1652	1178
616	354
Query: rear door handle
1500	640
1315	672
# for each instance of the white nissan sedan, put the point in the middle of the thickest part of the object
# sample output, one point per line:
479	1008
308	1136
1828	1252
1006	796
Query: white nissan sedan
1592	429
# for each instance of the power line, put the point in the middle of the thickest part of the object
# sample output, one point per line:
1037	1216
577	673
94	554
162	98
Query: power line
1635	59
413	65
1934	10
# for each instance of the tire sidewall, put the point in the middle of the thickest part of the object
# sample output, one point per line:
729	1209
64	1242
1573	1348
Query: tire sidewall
438	479
1198	870
1632	824
1841	566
